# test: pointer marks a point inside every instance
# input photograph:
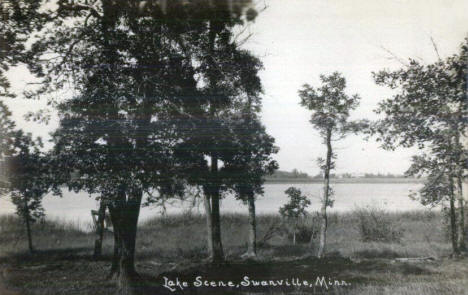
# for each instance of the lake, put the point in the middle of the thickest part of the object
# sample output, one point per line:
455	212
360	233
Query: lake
76	207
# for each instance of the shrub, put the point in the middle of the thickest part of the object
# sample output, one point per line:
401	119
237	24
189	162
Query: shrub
303	234
376	225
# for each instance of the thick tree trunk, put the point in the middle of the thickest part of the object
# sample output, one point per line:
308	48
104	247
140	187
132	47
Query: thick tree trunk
252	243
326	192
209	225
124	216
114	272
461	216
127	272
99	230
28	226
453	223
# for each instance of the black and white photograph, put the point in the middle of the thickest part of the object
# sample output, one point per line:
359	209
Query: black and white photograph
233	147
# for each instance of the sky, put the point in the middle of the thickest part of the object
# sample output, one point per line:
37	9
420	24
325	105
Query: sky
298	40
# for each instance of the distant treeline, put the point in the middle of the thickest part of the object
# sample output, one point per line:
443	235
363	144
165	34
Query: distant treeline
296	175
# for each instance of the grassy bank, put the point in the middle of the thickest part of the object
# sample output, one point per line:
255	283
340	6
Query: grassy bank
175	246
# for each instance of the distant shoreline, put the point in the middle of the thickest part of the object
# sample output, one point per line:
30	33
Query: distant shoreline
347	180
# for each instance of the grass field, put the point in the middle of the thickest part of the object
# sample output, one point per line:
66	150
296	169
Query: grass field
175	247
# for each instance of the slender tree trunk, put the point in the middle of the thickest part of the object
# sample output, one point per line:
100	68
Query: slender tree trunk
461	216
99	230
459	186
218	253
209	225
214	193
294	231
453	223
326	192
252	244
28	226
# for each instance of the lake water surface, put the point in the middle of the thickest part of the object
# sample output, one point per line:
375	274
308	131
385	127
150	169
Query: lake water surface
76	207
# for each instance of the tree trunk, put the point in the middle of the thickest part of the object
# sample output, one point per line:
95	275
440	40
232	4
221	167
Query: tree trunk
214	193
218	253
114	272
252	244
459	185
461	216
453	223
326	192
28	226
125	218
99	230
209	225
294	232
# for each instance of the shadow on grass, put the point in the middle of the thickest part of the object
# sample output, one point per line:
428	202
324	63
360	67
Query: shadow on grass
54	271
49	255
371	253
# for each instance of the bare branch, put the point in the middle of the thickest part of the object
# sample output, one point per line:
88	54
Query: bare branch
394	56
435	48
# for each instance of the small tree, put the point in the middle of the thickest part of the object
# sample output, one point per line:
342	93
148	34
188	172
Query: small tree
295	208
330	108
28	176
24	171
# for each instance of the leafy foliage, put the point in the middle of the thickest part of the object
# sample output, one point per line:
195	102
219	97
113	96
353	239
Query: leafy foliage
330	107
296	207
29	176
428	111
329	104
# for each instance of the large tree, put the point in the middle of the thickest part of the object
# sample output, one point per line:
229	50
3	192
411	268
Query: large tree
117	134
227	80
429	110
330	107
137	69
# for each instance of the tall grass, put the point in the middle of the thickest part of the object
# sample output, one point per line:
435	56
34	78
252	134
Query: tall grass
183	236
49	233
376	225
412	234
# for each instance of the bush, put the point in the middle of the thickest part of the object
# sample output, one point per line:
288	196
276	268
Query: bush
303	234
376	225
307	228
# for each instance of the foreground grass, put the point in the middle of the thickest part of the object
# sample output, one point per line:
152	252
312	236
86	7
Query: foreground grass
175	247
